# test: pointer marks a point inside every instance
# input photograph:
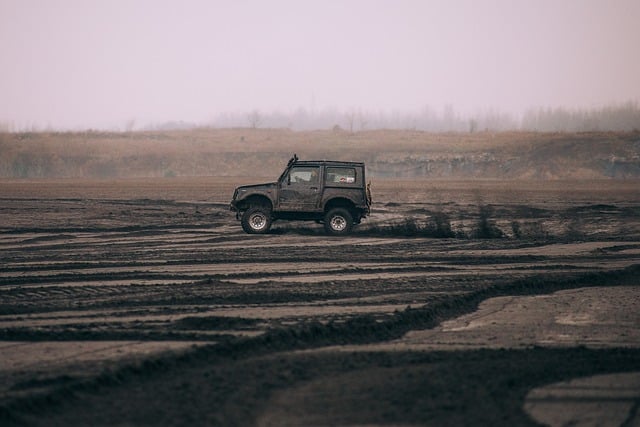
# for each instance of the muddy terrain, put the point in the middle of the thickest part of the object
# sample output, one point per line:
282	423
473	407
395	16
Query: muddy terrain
142	302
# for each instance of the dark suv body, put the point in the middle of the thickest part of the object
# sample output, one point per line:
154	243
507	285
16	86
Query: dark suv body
331	192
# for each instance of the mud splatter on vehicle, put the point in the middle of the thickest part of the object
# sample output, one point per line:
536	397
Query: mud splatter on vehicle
330	192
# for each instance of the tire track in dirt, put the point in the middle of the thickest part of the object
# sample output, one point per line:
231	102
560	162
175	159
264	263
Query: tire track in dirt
162	272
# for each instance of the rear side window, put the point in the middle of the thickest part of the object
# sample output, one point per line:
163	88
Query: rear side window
340	176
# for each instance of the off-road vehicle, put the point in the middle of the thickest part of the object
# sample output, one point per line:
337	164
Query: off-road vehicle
329	192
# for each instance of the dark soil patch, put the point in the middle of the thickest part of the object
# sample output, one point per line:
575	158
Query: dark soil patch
214	323
483	388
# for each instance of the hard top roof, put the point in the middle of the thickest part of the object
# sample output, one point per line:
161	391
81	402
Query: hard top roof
327	162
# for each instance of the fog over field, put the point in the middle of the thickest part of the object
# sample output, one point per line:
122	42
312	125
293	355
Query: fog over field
429	65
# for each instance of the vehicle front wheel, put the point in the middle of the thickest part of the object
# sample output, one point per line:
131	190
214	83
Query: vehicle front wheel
338	222
256	220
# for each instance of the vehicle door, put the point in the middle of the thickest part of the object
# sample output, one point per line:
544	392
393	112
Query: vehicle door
300	189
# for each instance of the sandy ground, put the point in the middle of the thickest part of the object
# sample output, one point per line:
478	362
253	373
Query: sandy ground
604	400
164	308
592	317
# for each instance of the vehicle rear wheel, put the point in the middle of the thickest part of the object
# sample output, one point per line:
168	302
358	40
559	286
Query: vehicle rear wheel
338	221
256	220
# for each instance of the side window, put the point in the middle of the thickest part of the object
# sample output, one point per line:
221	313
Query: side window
303	175
340	176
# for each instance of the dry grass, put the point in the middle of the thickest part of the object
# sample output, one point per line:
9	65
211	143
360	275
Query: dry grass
240	152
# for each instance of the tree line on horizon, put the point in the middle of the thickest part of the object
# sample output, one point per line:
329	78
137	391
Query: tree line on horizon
623	117
620	118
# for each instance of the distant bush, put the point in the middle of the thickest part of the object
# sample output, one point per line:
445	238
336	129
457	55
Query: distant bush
437	225
440	226
529	230
486	228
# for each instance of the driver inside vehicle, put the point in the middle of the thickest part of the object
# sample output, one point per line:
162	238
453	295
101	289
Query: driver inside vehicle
313	178
304	176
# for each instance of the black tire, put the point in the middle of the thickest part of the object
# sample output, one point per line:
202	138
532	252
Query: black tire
256	220
338	222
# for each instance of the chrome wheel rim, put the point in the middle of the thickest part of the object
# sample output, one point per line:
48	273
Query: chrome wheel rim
338	223
258	221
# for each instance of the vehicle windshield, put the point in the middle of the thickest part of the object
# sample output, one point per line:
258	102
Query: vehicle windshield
286	170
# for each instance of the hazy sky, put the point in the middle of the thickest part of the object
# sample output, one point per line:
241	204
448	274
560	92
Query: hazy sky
100	63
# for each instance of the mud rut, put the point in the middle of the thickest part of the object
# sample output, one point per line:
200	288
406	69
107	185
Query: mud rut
166	311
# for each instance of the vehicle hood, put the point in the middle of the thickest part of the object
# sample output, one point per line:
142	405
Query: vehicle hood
253	188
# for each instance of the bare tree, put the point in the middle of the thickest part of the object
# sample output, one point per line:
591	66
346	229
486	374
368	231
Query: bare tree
255	119
362	118
350	116
473	125
129	125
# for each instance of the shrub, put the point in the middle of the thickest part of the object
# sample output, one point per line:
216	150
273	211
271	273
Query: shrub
440	226
486	229
529	230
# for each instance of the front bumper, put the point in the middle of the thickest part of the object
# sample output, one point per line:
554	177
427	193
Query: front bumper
234	208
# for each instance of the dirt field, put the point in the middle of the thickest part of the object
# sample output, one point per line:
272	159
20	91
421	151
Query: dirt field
142	302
